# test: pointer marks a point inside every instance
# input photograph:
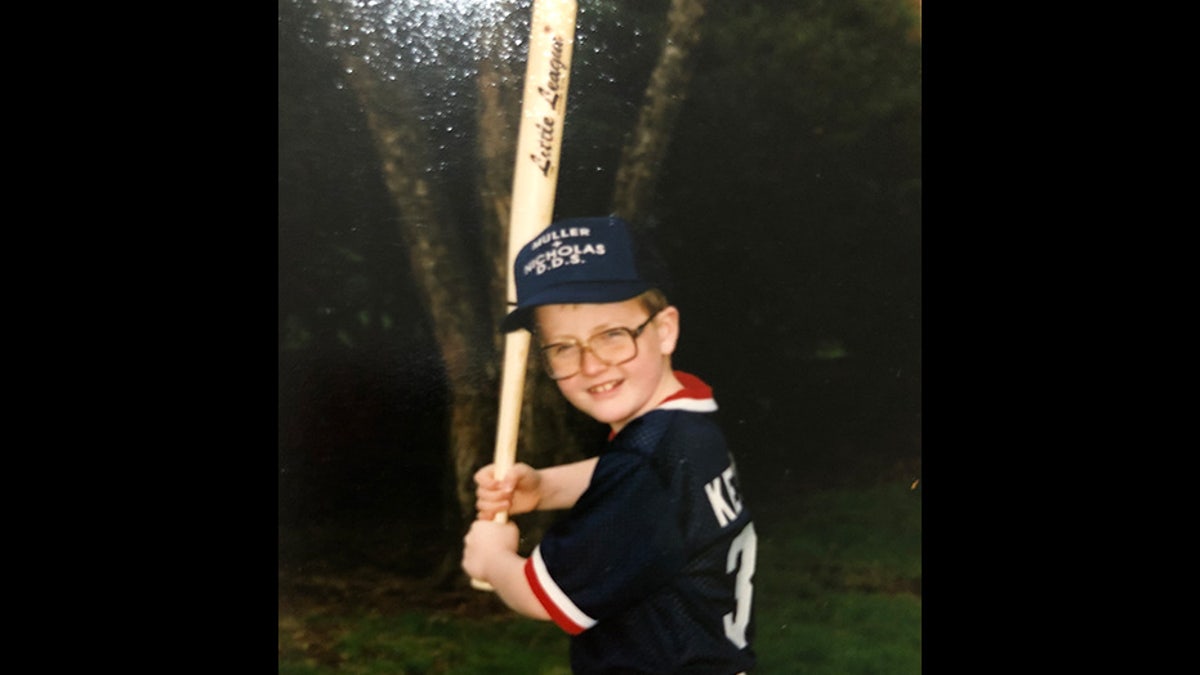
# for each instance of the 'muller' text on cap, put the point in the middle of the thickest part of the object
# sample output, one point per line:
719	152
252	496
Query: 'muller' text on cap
559	234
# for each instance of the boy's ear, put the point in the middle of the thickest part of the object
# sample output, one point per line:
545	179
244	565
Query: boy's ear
667	326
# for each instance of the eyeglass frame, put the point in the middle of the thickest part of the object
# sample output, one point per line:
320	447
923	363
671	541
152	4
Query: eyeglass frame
585	346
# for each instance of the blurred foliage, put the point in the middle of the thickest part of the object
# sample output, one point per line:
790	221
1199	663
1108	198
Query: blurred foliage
802	140
791	217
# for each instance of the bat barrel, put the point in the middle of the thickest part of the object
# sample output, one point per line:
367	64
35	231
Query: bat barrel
535	179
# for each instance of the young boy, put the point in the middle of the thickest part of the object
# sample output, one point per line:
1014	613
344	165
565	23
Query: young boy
651	569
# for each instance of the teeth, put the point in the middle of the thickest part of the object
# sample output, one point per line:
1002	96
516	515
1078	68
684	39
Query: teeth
603	388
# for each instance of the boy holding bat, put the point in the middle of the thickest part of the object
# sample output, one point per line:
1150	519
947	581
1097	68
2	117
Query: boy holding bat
651	568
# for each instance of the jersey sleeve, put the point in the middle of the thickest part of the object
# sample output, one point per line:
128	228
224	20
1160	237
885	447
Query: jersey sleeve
620	543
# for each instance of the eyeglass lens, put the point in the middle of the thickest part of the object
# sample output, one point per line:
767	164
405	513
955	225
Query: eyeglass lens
613	347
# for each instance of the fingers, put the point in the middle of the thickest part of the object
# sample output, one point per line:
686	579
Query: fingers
484	543
489	510
488	537
495	495
485	476
492	498
473	559
517	472
517	492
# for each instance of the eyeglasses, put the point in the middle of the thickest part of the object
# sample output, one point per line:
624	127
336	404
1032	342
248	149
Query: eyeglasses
611	347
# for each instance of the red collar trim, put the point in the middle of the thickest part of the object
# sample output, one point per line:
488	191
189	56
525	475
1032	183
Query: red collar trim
693	388
696	396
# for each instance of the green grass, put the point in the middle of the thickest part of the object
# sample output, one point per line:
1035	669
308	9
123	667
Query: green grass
425	643
838	589
837	592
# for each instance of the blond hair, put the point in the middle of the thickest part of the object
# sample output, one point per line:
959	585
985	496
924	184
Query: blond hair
653	301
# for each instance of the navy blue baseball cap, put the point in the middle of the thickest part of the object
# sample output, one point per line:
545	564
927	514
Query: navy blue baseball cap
581	260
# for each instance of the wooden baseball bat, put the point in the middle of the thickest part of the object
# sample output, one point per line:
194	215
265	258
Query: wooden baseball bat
535	179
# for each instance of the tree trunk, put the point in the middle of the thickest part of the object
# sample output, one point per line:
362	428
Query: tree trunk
465	327
439	267
499	87
646	147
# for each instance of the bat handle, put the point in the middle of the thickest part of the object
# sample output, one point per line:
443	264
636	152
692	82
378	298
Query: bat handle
477	584
516	353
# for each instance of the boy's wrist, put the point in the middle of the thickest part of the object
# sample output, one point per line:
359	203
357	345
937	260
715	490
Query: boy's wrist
509	580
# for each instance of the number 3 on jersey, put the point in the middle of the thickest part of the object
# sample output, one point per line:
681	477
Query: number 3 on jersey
742	555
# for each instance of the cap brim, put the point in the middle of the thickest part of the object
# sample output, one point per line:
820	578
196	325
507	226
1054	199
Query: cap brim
516	319
570	294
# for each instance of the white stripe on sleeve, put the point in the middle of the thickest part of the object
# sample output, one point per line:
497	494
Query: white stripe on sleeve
556	594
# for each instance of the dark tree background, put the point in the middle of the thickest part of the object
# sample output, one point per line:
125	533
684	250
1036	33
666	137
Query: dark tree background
788	207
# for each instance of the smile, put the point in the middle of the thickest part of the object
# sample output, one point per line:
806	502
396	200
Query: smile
603	388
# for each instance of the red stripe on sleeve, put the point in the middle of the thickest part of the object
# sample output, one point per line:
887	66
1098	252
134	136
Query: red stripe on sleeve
555	613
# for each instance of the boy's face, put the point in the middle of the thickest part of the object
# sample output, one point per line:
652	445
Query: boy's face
614	394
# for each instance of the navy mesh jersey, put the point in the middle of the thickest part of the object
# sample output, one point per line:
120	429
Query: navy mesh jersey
652	570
